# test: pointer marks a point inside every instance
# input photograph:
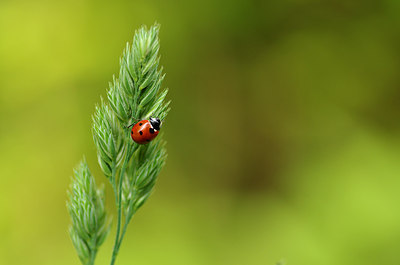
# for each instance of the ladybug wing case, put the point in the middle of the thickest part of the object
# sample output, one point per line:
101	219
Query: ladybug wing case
142	132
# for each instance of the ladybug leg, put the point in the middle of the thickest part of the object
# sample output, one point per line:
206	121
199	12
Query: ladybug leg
133	123
130	125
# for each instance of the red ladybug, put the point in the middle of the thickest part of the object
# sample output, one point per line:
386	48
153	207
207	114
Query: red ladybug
145	130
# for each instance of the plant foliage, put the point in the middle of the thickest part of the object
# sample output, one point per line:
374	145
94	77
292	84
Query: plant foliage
131	169
86	206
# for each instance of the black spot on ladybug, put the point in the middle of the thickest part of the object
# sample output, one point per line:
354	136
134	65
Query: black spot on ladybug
141	133
140	124
151	130
147	140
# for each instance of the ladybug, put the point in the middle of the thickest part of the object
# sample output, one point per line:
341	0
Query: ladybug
145	130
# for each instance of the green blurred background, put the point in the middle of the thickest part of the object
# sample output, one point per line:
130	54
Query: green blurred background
283	138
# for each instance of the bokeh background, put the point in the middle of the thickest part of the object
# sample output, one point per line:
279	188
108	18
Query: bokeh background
283	139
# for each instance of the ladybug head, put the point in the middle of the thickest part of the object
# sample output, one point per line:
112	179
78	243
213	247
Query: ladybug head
156	123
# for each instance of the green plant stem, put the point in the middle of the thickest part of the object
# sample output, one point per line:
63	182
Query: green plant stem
116	201
119	207
123	232
92	258
124	229
93	253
